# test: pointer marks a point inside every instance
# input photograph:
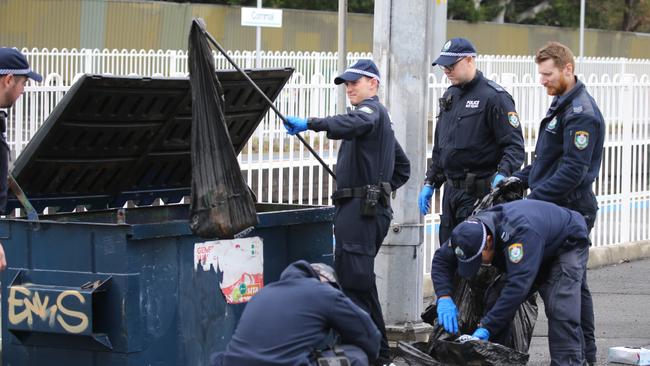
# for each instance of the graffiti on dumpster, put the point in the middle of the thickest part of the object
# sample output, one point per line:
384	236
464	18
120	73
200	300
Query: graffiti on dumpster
24	305
240	260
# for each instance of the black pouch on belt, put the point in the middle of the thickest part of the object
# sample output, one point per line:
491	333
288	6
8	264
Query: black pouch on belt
370	202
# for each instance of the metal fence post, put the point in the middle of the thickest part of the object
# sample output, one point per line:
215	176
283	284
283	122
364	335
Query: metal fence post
627	122
88	61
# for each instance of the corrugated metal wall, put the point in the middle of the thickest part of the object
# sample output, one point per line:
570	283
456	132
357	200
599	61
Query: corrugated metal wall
137	24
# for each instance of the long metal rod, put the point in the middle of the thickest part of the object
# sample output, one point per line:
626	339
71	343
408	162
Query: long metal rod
284	120
32	215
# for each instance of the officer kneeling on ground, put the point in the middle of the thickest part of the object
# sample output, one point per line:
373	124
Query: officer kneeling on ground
289	320
539	246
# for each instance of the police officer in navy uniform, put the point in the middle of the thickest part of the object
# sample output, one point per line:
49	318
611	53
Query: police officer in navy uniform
14	72
540	247
477	141
288	320
568	153
370	165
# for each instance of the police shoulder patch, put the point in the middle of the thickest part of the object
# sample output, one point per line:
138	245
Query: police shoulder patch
515	252
366	109
513	119
581	139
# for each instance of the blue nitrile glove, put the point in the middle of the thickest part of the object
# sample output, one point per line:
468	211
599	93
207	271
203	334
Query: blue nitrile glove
424	199
295	125
497	178
482	334
448	314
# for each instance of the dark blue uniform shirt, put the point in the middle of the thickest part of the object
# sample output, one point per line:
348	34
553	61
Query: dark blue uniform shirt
369	152
526	234
4	162
478	132
569	148
288	319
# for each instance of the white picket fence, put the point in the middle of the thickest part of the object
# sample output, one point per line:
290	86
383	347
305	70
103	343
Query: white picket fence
280	169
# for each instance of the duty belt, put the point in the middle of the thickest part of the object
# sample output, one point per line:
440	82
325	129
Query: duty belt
360	192
349	193
471	184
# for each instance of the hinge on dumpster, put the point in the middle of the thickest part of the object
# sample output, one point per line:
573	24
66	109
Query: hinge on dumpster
55	305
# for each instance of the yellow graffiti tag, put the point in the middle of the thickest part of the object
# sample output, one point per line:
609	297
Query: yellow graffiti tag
33	305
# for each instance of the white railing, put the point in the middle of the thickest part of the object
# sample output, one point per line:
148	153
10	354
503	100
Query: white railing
68	63
280	169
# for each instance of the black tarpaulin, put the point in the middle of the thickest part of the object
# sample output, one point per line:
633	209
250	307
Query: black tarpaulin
221	203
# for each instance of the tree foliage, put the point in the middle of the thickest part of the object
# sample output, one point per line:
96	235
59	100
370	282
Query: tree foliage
625	15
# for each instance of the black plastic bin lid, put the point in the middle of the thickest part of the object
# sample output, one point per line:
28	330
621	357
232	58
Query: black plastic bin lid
112	139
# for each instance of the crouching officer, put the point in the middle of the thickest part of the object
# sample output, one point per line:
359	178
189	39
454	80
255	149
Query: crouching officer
288	320
539	246
370	164
477	141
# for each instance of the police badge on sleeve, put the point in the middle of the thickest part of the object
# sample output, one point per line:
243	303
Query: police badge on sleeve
513	119
581	140
516	252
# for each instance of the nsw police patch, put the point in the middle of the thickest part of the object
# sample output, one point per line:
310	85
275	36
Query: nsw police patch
516	252
552	124
366	109
445	48
581	140
513	119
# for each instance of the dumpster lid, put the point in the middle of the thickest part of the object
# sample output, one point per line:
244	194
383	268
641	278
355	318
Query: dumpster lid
112	138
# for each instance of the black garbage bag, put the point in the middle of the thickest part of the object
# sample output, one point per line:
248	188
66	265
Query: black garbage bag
479	353
221	204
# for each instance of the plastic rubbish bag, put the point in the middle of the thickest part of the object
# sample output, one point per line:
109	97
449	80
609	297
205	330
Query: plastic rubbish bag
221	205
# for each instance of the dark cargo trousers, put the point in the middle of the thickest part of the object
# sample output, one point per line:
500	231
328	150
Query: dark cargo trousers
358	239
562	302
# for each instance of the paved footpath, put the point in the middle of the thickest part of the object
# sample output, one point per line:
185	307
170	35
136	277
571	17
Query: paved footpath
621	295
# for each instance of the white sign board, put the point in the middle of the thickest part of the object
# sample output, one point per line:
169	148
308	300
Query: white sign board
261	17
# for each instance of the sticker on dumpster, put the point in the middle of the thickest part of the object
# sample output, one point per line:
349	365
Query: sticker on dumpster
240	261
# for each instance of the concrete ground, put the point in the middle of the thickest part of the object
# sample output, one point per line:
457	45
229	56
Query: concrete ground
621	295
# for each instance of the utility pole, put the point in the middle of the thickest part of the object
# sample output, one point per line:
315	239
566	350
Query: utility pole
438	31
402	39
342	53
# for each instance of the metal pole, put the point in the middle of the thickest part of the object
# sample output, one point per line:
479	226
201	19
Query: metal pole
266	98
438	31
342	53
582	28
258	42
402	38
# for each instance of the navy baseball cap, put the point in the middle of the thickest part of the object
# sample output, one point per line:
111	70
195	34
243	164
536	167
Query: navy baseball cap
14	62
363	67
454	50
468	241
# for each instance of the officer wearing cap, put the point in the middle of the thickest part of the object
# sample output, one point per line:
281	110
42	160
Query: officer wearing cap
370	164
540	247
568	153
288	320
14	72
477	141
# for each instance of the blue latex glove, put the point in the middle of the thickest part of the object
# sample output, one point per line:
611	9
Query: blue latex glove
448	314
424	199
497	178
482	334
295	125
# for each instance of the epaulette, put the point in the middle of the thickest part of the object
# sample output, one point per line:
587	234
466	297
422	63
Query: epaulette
495	86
